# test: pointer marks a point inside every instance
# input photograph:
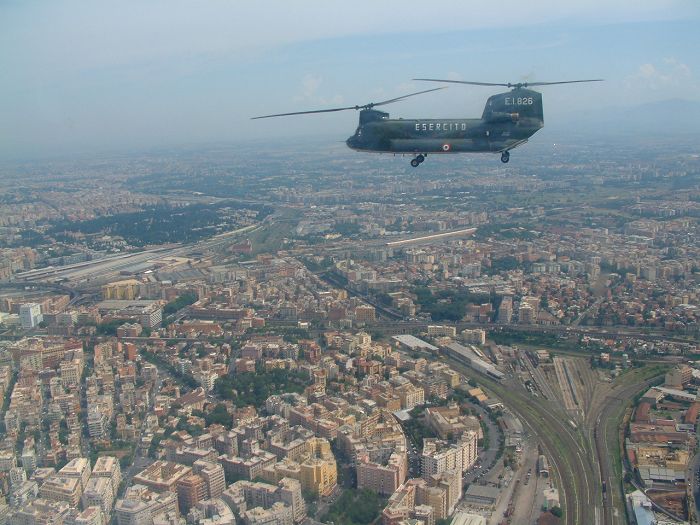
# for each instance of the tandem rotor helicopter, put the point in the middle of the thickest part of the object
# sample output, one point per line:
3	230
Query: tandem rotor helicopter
509	120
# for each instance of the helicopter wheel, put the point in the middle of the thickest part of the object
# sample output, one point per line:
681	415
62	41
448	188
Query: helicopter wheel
415	163
505	157
420	158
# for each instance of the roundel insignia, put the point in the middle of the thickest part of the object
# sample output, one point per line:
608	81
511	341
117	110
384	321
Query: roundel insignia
446	147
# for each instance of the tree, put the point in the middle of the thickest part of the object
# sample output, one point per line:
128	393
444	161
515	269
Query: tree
109	327
185	299
355	507
219	416
254	388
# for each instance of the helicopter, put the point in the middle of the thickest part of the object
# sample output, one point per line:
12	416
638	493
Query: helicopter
509	120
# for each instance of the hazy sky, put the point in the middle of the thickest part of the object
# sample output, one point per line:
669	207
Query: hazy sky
81	76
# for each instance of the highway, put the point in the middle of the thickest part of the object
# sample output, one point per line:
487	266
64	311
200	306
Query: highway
94	273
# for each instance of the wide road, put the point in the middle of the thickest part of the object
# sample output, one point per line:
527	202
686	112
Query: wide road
565	447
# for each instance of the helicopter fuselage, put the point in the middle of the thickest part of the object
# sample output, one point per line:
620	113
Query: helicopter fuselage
439	136
509	120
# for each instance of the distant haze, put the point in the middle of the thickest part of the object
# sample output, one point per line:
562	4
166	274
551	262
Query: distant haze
84	76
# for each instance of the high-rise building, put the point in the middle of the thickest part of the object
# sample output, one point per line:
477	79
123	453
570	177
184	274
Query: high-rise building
29	459
410	395
451	482
78	468
365	314
8	461
108	467
505	310
526	314
17	476
439	457
382	478
289	493
432	496
191	489
213	475
99	493
71	372
319	473
30	315
97	423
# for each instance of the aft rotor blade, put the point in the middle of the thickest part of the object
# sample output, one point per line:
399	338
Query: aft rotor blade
460	82
562	82
365	106
507	84
390	101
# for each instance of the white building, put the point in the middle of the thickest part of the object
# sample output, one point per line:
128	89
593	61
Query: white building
99	493
96	424
439	457
108	467
30	315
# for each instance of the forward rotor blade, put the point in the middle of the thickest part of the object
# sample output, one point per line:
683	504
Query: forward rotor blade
365	106
306	112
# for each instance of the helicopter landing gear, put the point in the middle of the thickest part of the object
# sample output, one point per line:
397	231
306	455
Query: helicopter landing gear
505	157
417	161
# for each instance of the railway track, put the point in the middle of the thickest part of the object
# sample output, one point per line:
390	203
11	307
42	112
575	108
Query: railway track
568	450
